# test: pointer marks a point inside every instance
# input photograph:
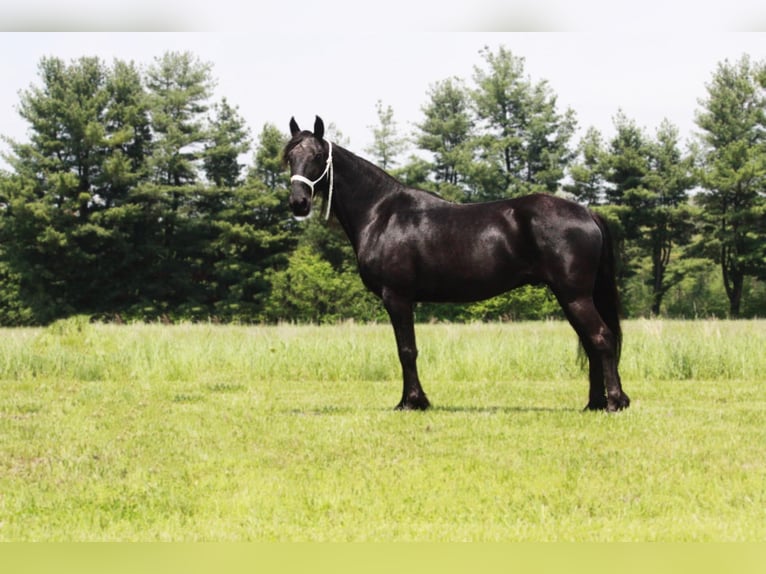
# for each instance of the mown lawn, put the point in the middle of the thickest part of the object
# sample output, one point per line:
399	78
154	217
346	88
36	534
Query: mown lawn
202	432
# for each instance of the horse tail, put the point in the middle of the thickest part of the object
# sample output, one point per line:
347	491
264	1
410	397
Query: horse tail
605	294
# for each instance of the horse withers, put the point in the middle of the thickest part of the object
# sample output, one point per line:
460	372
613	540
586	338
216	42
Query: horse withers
412	245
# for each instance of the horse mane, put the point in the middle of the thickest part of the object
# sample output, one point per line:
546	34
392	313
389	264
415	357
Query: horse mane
380	175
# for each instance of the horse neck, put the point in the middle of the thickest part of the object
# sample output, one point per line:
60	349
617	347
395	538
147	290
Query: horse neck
358	186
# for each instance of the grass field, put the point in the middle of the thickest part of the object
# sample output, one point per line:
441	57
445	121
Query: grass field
203	432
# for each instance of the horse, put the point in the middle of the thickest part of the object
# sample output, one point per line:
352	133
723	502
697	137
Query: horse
412	246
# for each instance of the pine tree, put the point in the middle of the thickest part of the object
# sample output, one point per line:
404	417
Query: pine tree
386	144
268	157
228	140
180	86
446	132
649	184
68	226
525	143
733	142
588	171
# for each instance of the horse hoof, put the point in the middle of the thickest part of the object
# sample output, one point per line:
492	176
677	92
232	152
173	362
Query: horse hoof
419	404
612	406
597	405
623	402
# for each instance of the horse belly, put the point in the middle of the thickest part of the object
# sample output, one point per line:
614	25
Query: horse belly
464	291
464	277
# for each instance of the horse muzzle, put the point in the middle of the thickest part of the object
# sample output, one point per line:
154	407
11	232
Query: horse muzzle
300	201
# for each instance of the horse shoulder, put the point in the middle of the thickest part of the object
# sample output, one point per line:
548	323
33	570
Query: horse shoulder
388	240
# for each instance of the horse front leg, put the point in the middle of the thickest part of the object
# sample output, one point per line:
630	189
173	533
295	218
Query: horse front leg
401	313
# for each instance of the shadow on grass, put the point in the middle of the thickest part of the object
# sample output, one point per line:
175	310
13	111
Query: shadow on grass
502	409
323	411
457	409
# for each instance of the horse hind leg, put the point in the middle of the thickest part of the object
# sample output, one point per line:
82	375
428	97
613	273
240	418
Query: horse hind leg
597	393
601	348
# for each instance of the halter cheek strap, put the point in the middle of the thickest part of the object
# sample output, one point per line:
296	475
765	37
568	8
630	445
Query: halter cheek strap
328	169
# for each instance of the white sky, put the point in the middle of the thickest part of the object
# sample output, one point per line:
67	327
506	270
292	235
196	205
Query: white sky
336	58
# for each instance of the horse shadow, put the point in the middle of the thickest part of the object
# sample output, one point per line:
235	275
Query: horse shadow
498	409
332	410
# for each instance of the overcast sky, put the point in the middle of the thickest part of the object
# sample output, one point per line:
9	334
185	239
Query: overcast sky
639	61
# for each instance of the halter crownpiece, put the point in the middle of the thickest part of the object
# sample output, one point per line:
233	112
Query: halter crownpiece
311	184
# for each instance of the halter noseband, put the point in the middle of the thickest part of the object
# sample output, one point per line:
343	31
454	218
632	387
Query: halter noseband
311	184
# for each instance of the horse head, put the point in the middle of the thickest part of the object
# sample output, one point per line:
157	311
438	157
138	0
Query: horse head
310	160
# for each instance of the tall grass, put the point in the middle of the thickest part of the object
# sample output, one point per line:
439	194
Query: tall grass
204	432
536	351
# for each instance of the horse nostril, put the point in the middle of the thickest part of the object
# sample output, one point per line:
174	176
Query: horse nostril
300	205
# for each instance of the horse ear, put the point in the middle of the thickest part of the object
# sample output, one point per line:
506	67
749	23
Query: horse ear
294	129
318	128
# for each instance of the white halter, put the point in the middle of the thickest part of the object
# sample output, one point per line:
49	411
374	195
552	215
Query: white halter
311	184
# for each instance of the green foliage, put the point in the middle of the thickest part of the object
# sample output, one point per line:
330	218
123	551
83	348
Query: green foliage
502	137
698	295
179	85
309	290
267	164
228	140
527	138
589	170
14	310
527	303
644	182
130	201
387	144
523	304
733	120
107	212
446	132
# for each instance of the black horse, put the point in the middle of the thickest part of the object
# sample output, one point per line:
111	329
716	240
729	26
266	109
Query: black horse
413	246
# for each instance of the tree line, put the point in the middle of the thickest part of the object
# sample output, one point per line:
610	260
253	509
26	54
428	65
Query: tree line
133	200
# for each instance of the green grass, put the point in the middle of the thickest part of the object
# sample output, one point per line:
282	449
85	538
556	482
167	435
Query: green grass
202	432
